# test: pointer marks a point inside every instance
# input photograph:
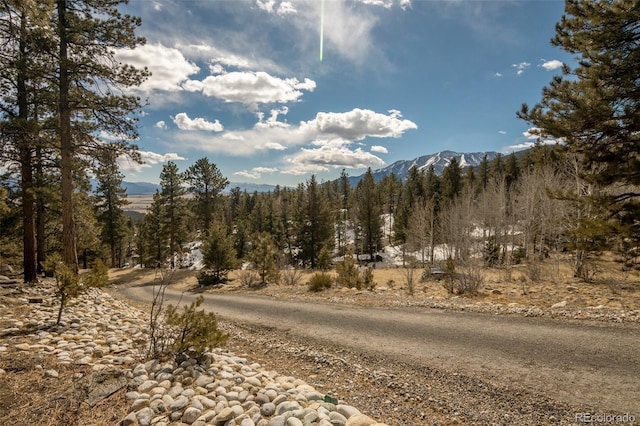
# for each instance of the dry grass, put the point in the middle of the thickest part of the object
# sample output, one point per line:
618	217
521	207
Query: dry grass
611	288
27	397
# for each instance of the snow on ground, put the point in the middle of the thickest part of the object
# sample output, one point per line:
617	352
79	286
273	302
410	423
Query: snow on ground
193	256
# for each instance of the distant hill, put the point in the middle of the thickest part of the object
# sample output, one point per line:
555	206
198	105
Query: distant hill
439	160
148	188
140	188
399	168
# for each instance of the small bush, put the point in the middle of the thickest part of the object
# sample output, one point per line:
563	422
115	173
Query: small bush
248	278
449	276
291	277
517	255
491	252
408	274
468	281
206	278
320	281
347	271
534	270
67	282
367	279
98	276
192	332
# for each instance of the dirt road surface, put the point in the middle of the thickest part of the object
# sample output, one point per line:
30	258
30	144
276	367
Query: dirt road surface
567	367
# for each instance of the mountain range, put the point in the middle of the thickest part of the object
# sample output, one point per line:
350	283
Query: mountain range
439	160
400	168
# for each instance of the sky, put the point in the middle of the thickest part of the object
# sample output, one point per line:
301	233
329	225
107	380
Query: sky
273	91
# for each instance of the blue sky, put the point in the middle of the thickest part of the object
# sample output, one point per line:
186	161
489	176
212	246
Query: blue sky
241	82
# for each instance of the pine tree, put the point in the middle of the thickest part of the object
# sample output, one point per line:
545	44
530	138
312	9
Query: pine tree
265	257
205	182
153	240
23	32
218	253
368	214
175	212
90	85
451	181
594	108
483	174
511	171
315	223
110	198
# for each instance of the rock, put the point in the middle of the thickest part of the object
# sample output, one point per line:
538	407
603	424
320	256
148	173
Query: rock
287	406
293	421
51	373
139	404
347	410
23	347
204	380
129	420
223	416
268	409
190	415
144	416
179	403
360	420
559	305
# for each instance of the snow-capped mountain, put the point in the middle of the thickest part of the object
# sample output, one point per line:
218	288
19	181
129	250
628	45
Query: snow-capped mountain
439	160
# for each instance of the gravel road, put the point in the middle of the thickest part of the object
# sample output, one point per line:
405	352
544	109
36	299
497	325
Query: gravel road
441	366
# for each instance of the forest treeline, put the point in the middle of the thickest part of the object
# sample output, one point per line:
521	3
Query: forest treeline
575	192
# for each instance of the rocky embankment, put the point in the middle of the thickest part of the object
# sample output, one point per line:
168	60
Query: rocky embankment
109	336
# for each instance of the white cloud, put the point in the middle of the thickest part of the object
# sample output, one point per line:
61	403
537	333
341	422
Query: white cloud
266	5
551	65
357	124
265	169
108	136
255	173
272	121
521	67
535	135
271	6
286	8
384	3
532	133
498	75
380	149
303	169
149	159
275	146
247	174
350	126
216	69
183	122
502	132
334	154
388	4
169	68
252	88
527	145
161	125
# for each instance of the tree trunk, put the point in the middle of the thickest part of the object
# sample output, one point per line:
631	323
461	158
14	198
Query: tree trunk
28	218
69	250
41	246
26	165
